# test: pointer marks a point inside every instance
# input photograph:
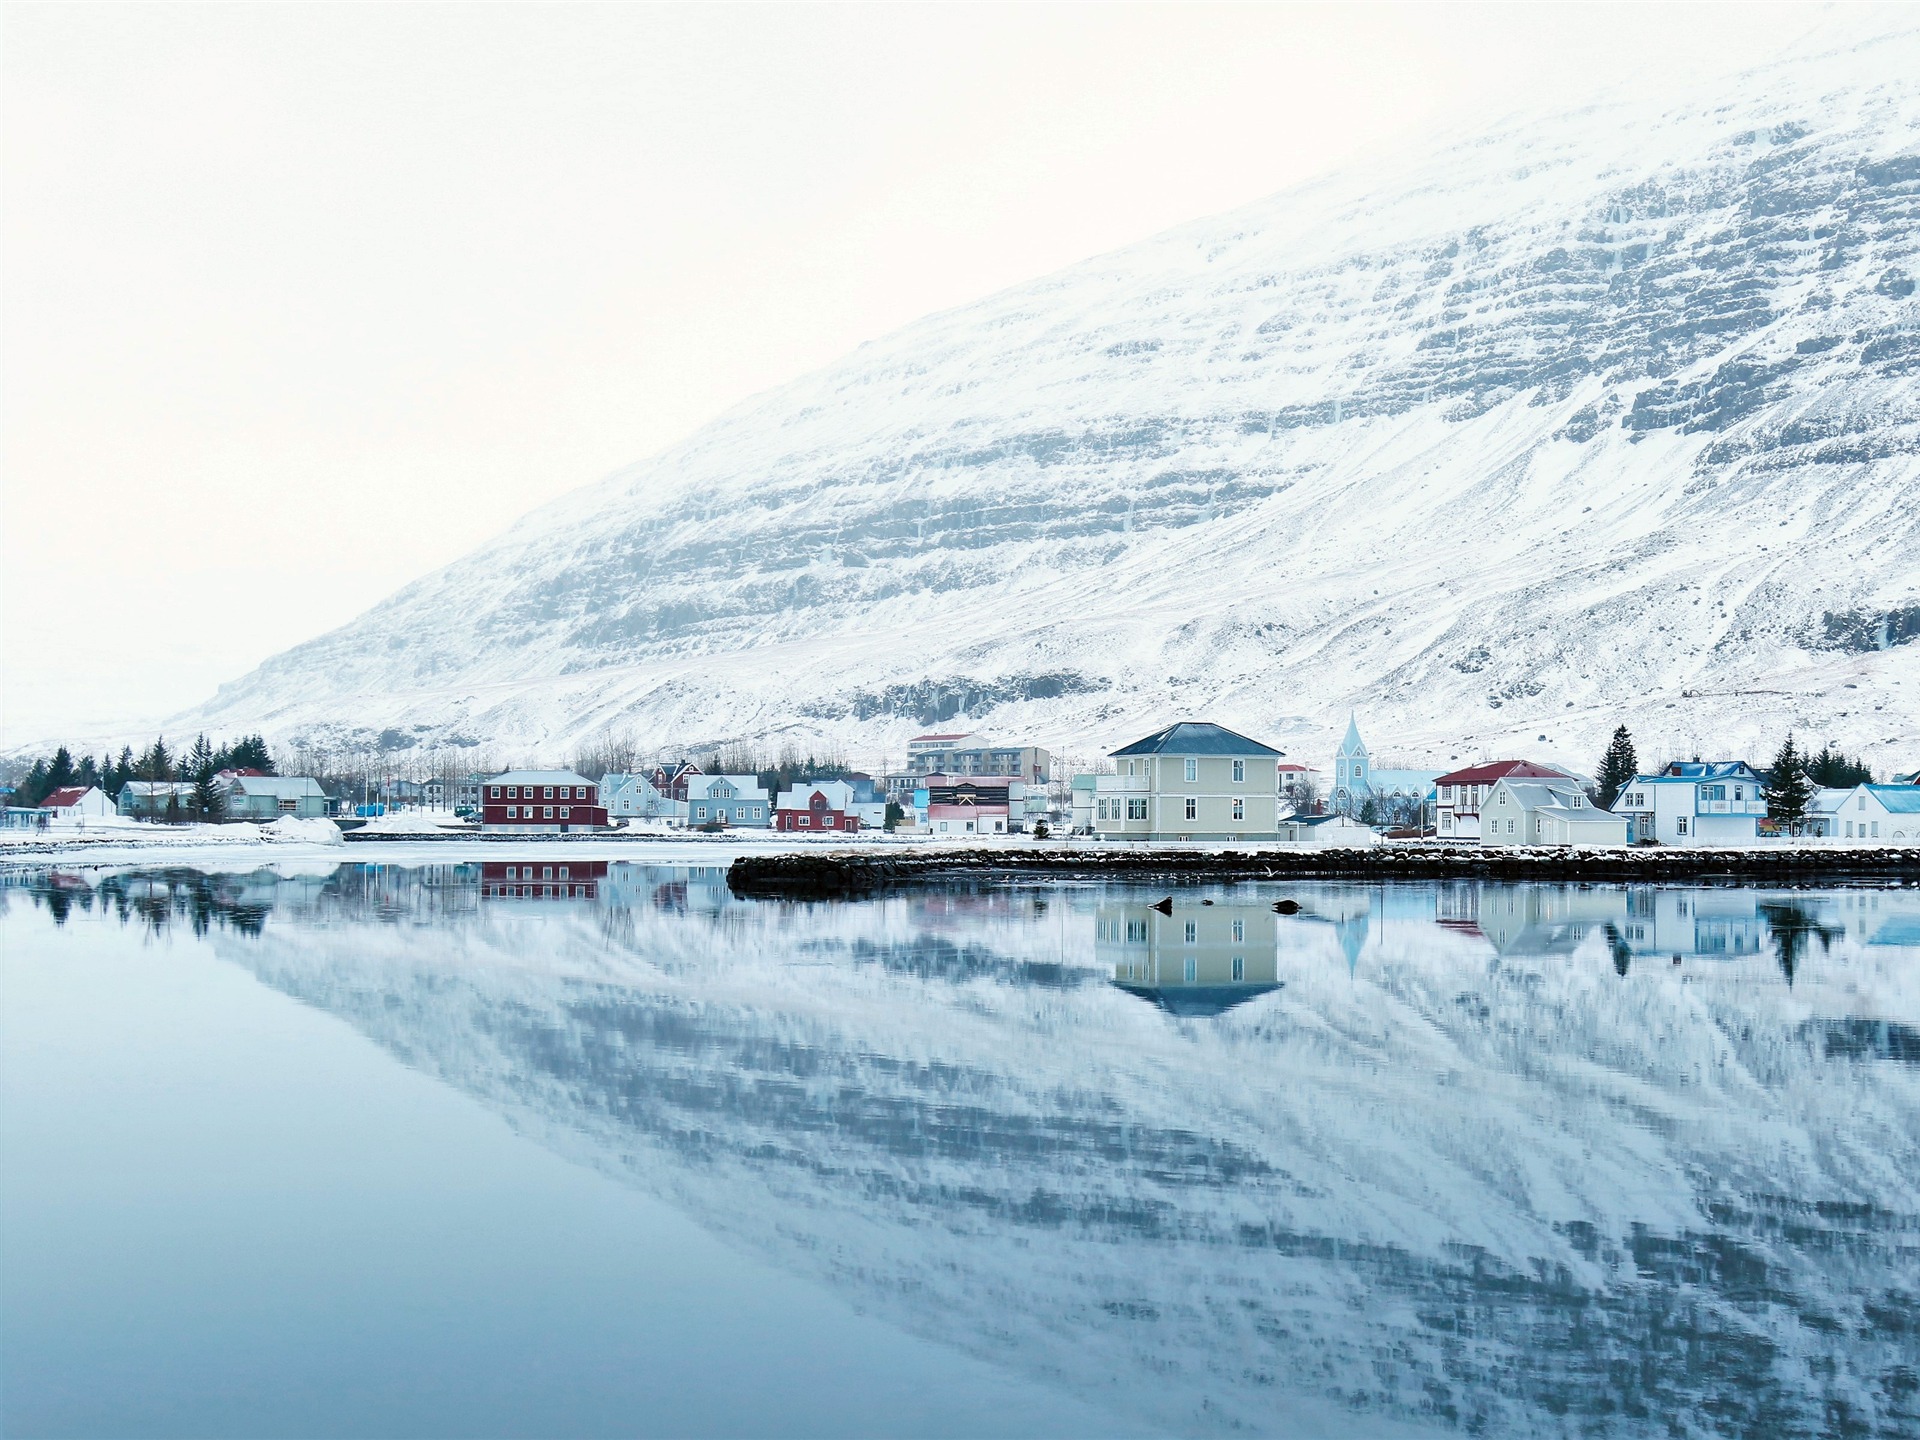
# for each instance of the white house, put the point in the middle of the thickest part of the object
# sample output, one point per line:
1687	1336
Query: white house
635	797
75	803
1459	794
1867	815
1694	802
1546	811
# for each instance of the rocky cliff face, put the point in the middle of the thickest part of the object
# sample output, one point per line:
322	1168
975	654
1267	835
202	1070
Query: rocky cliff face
1608	416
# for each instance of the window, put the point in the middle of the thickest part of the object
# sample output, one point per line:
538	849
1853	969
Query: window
759	812
513	792
1239	771
1239	931
565	811
1509	827
496	792
1193	768
565	872
1876	830
546	872
1193	808
566	792
1680	825
1193	927
1739	792
547	794
546	812
1849	829
1239	967
513	872
1136	809
1136	932
1239	808
699	812
513	812
1862	803
807	820
1191	969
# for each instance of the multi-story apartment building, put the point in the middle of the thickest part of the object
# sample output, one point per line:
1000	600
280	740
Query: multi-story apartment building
971	754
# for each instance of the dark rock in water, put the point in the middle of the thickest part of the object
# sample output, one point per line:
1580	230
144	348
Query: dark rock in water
1165	907
1286	907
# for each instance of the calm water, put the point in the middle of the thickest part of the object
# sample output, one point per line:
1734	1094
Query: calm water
457	1149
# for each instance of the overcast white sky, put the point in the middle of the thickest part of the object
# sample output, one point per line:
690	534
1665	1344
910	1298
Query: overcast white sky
299	302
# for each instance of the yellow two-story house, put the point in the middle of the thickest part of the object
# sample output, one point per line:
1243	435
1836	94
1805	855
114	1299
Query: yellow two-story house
1191	781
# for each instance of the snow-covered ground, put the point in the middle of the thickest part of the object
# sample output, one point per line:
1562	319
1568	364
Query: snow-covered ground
1605	416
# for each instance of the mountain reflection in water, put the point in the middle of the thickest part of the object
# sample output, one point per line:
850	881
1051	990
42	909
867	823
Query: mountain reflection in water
1507	1159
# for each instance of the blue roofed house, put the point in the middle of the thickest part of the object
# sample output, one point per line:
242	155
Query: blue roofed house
735	802
1191	781
1866	815
1694	802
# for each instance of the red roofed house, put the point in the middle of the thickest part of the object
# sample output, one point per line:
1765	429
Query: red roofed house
79	802
1460	794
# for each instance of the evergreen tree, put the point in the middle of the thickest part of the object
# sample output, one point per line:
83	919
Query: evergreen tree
33	786
157	763
200	768
249	753
1787	788
122	771
1832	769
1617	768
88	774
61	772
1370	811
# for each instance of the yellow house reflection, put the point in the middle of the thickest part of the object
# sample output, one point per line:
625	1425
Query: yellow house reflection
1200	960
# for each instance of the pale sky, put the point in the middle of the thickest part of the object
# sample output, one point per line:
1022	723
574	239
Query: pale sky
298	303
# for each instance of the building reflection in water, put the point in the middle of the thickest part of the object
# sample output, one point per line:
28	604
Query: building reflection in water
523	880
1203	959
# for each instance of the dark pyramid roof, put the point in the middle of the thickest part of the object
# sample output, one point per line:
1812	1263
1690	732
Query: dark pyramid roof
1197	737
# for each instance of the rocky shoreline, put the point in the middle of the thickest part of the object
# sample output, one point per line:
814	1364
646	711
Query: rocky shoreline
845	873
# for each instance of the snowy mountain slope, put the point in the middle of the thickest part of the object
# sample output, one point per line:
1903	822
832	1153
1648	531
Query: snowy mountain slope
1611	415
1515	1192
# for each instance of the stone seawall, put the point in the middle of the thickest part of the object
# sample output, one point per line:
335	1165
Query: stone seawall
847	873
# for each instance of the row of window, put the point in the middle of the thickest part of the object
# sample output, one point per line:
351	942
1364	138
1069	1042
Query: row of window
567	792
526	812
1137	809
515	872
1193	769
547	892
741	812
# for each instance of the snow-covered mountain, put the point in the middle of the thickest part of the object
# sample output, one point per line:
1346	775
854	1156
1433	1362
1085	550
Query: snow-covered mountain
1460	1176
1611	415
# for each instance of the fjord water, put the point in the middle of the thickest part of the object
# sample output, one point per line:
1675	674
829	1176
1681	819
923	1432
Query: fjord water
455	1148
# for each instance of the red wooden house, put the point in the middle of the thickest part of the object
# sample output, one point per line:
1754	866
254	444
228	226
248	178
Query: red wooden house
540	802
811	809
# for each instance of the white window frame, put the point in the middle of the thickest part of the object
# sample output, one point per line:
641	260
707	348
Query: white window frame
1193	807
1193	768
1239	808
1239	772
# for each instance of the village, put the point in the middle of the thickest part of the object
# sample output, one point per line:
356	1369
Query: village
1191	782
